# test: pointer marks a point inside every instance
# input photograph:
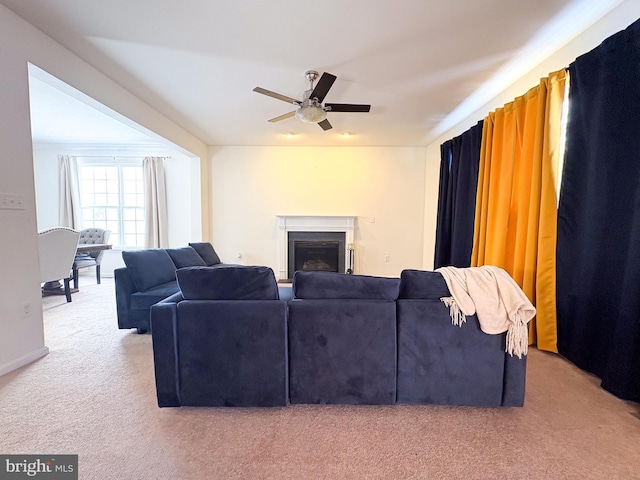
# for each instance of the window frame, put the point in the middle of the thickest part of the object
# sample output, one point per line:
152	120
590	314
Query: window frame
117	238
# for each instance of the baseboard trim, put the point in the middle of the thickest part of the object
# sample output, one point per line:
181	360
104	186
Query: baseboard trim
24	360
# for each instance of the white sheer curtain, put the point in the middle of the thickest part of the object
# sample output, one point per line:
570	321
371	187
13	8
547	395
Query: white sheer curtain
69	197
155	203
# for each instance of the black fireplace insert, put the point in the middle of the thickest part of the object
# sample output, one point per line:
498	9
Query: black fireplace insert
316	251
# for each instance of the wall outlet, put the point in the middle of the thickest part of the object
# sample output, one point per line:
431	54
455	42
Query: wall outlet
386	258
26	309
9	201
372	219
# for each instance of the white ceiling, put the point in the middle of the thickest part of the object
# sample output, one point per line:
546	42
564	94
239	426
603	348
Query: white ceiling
417	62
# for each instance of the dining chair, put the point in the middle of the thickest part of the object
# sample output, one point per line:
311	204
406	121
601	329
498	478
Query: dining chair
84	260
57	248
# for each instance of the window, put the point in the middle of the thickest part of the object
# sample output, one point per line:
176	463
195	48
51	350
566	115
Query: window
564	119
112	197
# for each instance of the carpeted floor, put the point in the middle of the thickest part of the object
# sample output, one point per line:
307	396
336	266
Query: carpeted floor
94	396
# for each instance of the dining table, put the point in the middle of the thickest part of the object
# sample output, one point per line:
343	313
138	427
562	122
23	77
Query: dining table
55	287
92	247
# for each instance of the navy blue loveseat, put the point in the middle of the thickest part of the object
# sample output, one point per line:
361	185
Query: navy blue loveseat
150	276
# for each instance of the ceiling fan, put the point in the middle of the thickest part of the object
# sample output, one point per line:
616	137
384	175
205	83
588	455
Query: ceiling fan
310	109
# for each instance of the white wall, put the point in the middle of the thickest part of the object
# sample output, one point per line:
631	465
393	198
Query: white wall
45	172
183	199
618	19
251	185
22	335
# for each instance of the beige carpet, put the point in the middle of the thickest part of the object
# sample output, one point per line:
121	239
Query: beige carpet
94	396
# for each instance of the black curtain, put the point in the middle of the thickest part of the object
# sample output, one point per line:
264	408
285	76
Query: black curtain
459	163
598	250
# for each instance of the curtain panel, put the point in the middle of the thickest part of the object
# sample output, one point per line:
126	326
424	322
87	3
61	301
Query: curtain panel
515	218
155	203
599	216
460	158
68	192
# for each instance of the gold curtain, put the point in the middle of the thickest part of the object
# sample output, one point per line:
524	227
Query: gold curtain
516	204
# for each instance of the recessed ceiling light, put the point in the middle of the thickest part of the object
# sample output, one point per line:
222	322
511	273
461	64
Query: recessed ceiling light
347	134
289	134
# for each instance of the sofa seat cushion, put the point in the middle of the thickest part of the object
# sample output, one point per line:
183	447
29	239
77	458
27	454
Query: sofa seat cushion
323	285
149	268
227	282
206	252
185	257
423	285
144	300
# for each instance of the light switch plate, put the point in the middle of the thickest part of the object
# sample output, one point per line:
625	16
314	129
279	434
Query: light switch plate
9	201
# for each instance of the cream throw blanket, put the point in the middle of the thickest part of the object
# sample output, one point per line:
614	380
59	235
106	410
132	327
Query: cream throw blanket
495	297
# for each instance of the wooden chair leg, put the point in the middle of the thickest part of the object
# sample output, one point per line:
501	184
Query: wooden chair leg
67	289
98	273
75	277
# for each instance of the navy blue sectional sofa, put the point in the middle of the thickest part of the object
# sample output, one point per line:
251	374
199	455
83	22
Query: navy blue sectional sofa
228	338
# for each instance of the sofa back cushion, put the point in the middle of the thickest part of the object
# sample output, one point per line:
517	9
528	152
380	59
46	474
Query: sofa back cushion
421	284
185	257
149	268
227	282
206	252
320	285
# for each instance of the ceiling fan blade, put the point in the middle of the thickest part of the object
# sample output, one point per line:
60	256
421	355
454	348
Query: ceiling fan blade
283	117
325	125
347	107
323	86
269	93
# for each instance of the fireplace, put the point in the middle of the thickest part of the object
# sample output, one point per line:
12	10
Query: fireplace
323	229
316	251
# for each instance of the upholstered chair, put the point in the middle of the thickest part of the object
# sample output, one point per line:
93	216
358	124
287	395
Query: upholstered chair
57	248
93	259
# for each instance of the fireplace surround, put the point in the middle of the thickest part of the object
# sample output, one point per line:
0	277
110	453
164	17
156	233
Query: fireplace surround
320	229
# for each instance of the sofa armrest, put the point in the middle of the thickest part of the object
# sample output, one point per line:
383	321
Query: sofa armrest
124	289
163	325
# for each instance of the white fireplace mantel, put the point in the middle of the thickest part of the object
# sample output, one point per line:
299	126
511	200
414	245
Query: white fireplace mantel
299	223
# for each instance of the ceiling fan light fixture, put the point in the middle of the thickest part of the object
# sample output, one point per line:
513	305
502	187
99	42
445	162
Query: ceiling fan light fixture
310	108
311	114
